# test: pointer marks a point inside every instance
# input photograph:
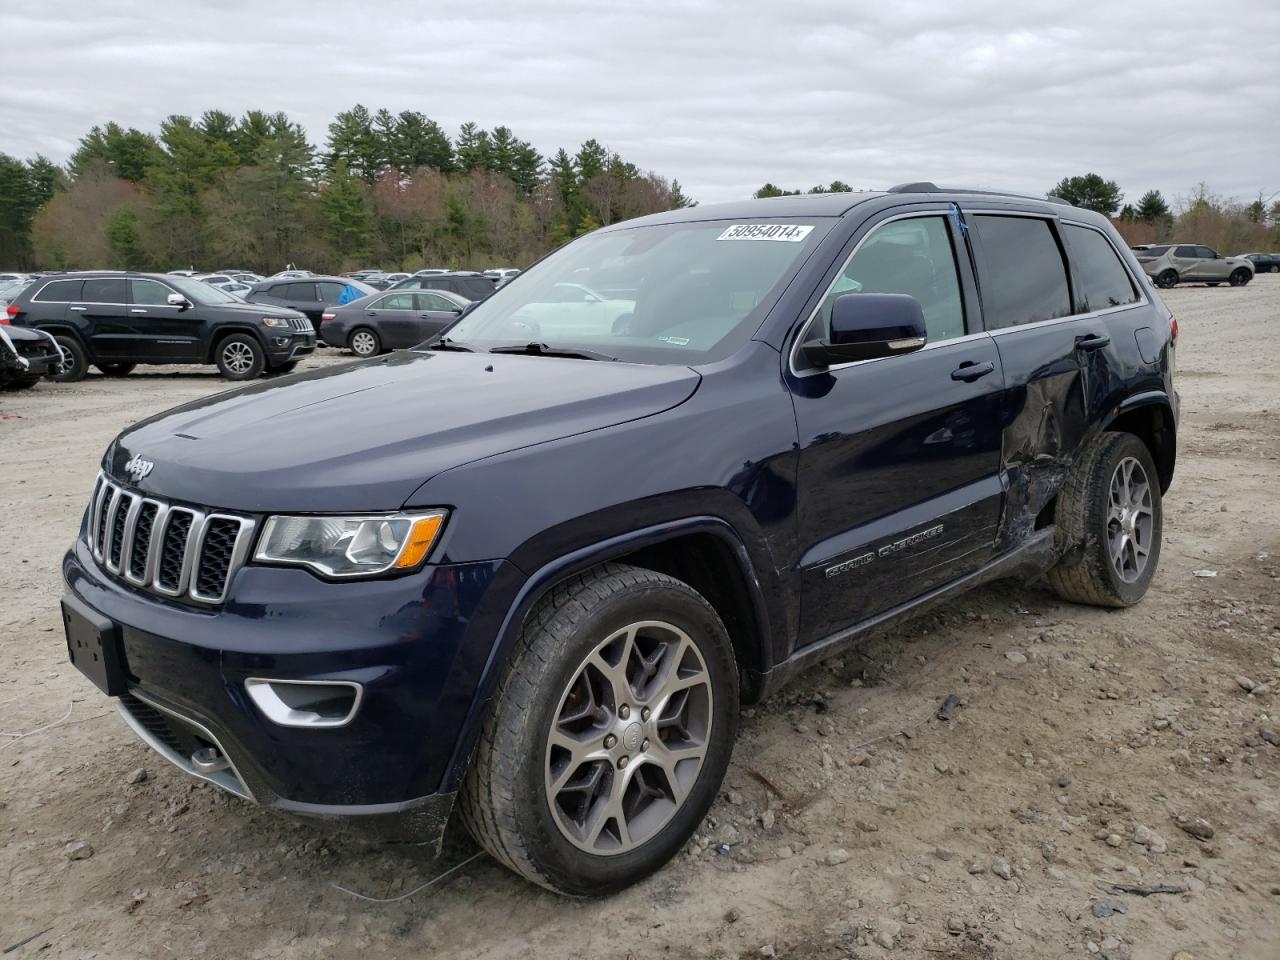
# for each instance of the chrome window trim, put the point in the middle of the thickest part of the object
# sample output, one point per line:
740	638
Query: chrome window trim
804	328
35	297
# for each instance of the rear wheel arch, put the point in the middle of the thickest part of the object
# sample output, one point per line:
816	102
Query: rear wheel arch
1151	421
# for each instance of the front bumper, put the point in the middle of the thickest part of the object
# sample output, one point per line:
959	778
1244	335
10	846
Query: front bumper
285	347
417	645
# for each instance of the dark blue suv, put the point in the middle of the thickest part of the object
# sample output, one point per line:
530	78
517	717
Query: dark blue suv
530	570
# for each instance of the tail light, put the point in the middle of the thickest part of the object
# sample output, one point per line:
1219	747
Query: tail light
330	316
12	311
1173	328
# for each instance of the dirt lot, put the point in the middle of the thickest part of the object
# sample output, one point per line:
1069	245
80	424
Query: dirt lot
854	823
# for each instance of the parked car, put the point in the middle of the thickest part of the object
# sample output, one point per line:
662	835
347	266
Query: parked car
392	321
501	275
1263	262
183	273
468	284
1169	264
26	356
11	288
7	278
311	295
531	570
115	321
428	272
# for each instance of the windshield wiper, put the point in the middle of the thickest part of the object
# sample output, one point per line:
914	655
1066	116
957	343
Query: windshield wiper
448	343
536	349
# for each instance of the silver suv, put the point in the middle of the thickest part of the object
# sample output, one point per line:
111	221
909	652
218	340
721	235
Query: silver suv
1169	264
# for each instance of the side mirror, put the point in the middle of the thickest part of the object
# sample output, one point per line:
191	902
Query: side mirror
865	326
178	300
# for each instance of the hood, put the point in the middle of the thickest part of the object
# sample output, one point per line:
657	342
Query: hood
258	310
364	436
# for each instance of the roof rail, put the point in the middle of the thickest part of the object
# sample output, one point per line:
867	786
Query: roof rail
927	186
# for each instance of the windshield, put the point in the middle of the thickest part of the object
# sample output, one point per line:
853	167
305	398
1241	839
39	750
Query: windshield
197	291
676	293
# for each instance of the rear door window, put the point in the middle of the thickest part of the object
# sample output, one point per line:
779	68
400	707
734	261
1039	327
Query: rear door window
1025	280
1100	276
300	291
60	291
109	290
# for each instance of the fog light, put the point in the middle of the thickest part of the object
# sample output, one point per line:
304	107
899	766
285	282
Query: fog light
306	703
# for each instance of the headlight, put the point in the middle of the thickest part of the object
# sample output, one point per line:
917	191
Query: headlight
275	321
351	546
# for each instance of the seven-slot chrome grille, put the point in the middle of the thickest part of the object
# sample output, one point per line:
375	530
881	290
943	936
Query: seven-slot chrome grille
301	324
169	549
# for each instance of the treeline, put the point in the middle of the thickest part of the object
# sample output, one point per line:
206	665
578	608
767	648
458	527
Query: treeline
391	190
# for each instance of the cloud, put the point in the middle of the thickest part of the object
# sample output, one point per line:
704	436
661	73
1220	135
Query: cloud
722	96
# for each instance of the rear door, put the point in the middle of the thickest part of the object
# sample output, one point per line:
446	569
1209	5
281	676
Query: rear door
1188	263
162	331
898	477
103	310
299	295
1057	353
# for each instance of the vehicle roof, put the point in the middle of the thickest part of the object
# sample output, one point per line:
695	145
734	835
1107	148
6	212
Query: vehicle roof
839	204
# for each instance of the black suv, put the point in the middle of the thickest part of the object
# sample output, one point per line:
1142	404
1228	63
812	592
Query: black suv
309	295
531	569
473	286
116	321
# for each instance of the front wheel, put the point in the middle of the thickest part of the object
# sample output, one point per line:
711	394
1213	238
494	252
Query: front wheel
1109	519
609	735
240	357
1167	278
1239	277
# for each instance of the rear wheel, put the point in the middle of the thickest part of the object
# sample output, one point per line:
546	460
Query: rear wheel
240	357
74	364
1167	278
1109	520
609	734
364	342
116	369
1239	277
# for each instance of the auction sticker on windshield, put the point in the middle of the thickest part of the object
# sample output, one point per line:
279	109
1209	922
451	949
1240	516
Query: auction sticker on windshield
786	232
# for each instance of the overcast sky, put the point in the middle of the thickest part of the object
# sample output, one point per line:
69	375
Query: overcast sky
721	96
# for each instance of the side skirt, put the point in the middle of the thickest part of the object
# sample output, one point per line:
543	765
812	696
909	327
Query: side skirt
1032	558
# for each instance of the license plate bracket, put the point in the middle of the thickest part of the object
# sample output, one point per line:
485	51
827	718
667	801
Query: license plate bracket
93	644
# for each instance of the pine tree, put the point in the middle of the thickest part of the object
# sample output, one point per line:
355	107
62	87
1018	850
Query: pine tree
474	148
1152	207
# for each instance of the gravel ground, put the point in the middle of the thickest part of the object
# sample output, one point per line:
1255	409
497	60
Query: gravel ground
853	822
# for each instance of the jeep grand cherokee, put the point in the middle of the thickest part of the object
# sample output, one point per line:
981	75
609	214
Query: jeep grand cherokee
530	571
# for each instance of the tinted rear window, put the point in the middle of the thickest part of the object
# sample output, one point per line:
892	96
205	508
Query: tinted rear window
104	291
298	291
1100	276
61	291
1025	279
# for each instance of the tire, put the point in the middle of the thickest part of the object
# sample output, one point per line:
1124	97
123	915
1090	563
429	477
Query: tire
1214	284
115	369
20	383
74	363
1239	277
1167	279
509	802
364	342
240	357
281	369
1090	525
1276	269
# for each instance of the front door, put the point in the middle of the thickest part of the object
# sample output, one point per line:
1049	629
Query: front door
899	479
162	331
434	314
394	318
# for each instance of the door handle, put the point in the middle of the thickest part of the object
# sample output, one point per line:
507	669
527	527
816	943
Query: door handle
137	310
1094	342
970	371
79	309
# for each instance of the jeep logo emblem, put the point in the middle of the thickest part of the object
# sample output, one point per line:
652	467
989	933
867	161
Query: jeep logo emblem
633	737
137	468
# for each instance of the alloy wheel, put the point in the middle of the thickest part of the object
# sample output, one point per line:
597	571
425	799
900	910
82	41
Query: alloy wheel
1130	520
629	738
237	357
363	343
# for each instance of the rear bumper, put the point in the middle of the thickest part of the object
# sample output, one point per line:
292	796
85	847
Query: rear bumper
416	645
